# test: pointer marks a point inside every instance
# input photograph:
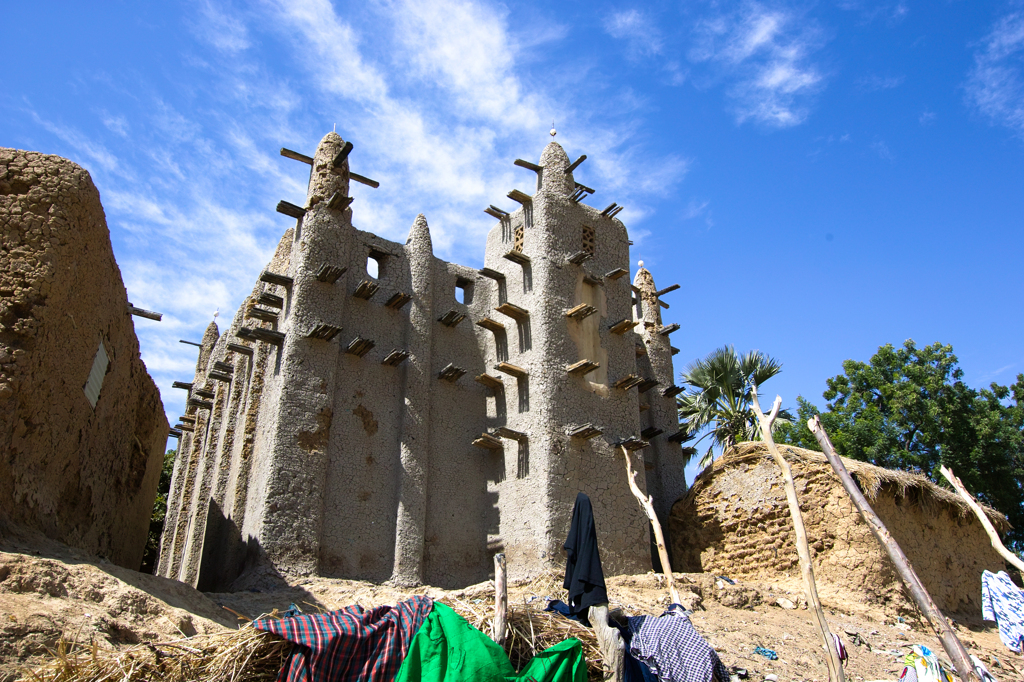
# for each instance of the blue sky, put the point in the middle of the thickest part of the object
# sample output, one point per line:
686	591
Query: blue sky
820	177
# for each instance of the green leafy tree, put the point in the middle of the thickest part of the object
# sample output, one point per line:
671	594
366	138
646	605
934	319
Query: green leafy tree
908	408
718	401
156	521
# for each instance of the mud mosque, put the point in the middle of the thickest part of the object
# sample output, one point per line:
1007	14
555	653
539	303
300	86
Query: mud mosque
406	425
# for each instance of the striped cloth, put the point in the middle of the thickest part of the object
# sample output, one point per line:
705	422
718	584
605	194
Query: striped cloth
349	644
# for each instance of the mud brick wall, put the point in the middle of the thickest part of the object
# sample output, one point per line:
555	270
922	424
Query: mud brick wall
81	474
735	522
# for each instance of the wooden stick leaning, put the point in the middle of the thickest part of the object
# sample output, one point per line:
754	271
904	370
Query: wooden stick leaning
954	649
647	503
993	536
835	666
500	599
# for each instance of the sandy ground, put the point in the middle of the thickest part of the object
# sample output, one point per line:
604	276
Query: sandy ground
50	591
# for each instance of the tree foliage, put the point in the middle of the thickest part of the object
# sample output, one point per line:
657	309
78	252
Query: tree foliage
718	399
156	521
908	408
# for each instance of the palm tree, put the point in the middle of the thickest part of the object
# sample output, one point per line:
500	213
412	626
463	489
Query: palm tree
719	402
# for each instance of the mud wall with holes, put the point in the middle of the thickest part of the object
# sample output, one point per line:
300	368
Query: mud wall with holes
80	467
736	522
375	412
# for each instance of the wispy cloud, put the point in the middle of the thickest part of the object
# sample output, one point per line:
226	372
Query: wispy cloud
995	85
82	144
875	82
882	149
695	208
890	13
221	29
638	31
765	53
699	208
926	117
437	97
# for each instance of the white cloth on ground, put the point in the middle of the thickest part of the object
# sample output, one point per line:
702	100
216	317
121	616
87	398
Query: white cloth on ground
1003	602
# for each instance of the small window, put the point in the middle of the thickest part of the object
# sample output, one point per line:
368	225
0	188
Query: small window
375	265
464	290
94	383
589	241
517	243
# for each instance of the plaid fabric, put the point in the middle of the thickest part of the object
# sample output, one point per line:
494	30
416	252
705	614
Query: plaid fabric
673	649
349	644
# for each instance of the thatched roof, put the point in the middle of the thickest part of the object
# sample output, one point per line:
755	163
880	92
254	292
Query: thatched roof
872	479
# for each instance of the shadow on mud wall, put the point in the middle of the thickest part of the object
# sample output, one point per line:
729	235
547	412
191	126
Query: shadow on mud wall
225	554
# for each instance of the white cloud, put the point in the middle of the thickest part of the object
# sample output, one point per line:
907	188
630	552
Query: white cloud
116	124
891	14
875	82
86	147
995	86
223	30
435	97
695	208
765	54
642	37
883	151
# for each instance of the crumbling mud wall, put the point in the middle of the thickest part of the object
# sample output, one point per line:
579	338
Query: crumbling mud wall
735	522
82	427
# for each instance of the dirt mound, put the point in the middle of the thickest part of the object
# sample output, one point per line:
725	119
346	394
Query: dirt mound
71	596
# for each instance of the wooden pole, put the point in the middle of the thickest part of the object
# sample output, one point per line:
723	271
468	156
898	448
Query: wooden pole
954	649
835	666
647	503
500	599
983	517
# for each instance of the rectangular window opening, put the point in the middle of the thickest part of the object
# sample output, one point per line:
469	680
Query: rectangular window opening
464	290
375	264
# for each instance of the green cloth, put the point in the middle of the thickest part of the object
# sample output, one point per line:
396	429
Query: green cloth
448	649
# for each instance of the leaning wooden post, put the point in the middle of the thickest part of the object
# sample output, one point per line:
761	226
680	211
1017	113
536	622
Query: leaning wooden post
954	649
647	503
500	599
835	666
993	536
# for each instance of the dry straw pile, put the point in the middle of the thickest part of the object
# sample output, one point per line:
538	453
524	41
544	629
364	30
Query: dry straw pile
248	654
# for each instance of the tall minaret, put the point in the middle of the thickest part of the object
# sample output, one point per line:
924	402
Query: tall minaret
563	263
289	477
663	458
415	429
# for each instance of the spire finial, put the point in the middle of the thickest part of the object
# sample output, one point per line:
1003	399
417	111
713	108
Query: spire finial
640	263
552	132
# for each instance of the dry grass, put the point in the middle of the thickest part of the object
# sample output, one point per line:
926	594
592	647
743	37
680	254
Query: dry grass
248	654
244	654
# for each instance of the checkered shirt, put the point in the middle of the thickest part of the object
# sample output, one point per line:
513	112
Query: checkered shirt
673	649
351	643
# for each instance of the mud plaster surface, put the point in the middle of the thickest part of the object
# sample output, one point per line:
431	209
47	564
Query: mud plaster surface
738	524
86	476
354	468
